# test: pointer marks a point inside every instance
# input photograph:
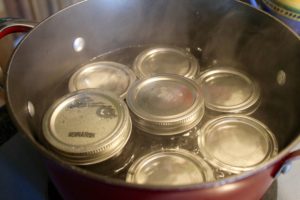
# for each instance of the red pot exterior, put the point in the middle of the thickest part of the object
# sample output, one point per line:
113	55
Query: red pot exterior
72	185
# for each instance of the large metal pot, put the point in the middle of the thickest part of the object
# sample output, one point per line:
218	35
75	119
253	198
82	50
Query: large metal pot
227	31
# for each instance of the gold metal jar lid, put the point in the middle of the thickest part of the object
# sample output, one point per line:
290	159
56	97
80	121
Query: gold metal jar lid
165	104
170	167
87	126
165	60
236	143
108	76
228	90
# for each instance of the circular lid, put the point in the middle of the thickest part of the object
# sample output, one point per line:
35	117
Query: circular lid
229	91
165	60
166	104
109	76
236	143
170	167
87	126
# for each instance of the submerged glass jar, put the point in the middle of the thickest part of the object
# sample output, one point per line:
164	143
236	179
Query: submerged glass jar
165	104
118	165
167	112
149	142
236	143
105	75
89	127
170	167
229	91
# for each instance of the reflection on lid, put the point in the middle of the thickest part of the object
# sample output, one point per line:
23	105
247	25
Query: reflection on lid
170	167
236	143
107	76
229	91
166	60
166	104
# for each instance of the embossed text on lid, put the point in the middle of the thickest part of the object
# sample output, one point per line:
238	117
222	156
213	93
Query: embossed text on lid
87	126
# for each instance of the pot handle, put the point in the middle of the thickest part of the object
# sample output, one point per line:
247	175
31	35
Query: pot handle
8	26
286	163
14	25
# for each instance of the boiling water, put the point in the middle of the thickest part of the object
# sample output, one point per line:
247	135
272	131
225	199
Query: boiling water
142	143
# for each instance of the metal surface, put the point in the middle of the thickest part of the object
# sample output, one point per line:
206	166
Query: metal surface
236	143
107	76
87	126
166	60
228	90
78	44
165	105
170	167
237	36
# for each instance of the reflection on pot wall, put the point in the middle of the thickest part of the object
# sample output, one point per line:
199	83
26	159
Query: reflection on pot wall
34	9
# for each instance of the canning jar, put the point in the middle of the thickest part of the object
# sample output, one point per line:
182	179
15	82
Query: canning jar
236	143
229	91
105	75
165	60
89	127
170	167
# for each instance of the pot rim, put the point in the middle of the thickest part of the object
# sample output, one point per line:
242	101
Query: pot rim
110	181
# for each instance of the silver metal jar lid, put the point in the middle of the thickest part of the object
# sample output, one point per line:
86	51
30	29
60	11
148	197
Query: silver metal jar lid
109	76
236	143
228	90
170	167
165	104
165	60
87	126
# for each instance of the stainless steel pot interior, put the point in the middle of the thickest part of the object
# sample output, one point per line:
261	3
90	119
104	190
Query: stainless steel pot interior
227	31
